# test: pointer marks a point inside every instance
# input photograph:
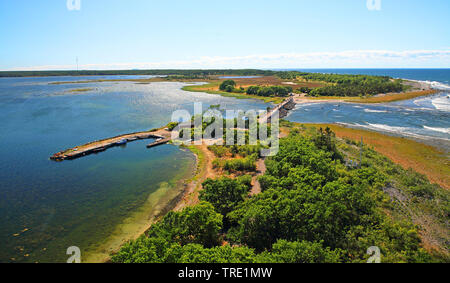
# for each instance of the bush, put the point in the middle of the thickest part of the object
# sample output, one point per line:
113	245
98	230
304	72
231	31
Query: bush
299	252
247	164
279	91
199	224
227	85
172	125
219	151
224	193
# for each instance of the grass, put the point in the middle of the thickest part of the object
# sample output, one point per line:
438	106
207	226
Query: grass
201	162
81	89
393	97
213	88
422	158
377	99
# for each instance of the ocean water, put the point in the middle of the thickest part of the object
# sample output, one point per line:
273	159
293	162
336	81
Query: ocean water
45	206
426	118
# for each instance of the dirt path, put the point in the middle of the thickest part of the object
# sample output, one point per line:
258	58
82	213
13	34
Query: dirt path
260	170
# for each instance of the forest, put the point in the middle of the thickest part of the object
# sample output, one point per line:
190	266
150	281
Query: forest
313	208
346	85
270	91
265	91
175	73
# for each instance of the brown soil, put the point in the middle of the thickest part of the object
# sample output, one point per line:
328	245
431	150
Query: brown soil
260	170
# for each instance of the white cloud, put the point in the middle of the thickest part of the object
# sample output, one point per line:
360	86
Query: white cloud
344	59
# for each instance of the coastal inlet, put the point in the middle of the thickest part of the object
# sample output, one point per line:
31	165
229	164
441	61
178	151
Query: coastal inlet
162	136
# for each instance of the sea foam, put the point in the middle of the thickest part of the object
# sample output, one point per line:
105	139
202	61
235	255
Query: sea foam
374	111
441	103
441	130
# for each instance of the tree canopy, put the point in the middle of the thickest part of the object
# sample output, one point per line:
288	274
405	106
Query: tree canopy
312	209
227	85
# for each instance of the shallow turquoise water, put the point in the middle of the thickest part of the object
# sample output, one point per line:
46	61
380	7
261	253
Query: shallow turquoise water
78	203
417	118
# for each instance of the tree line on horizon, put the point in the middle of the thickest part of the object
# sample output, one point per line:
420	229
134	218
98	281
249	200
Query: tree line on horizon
163	72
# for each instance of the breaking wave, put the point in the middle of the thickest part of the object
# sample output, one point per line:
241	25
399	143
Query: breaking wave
441	130
441	103
374	111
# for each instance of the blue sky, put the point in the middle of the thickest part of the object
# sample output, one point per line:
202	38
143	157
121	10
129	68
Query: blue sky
123	34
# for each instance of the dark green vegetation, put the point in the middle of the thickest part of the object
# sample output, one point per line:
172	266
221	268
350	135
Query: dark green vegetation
270	91
172	125
346	85
312	209
246	164
225	193
228	86
265	91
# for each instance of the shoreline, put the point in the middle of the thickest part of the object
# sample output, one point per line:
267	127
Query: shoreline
184	193
158	203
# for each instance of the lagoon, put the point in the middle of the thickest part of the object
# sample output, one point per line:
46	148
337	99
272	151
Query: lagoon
47	207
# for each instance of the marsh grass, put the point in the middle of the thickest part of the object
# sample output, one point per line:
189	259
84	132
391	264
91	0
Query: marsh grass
408	153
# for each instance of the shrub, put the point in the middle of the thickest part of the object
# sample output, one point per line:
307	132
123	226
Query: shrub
226	85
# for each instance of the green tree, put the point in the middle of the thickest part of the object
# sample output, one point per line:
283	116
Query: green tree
195	253
227	85
148	250
299	252
224	193
325	140
199	224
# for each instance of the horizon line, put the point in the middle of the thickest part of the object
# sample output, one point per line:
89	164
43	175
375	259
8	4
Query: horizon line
227	69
